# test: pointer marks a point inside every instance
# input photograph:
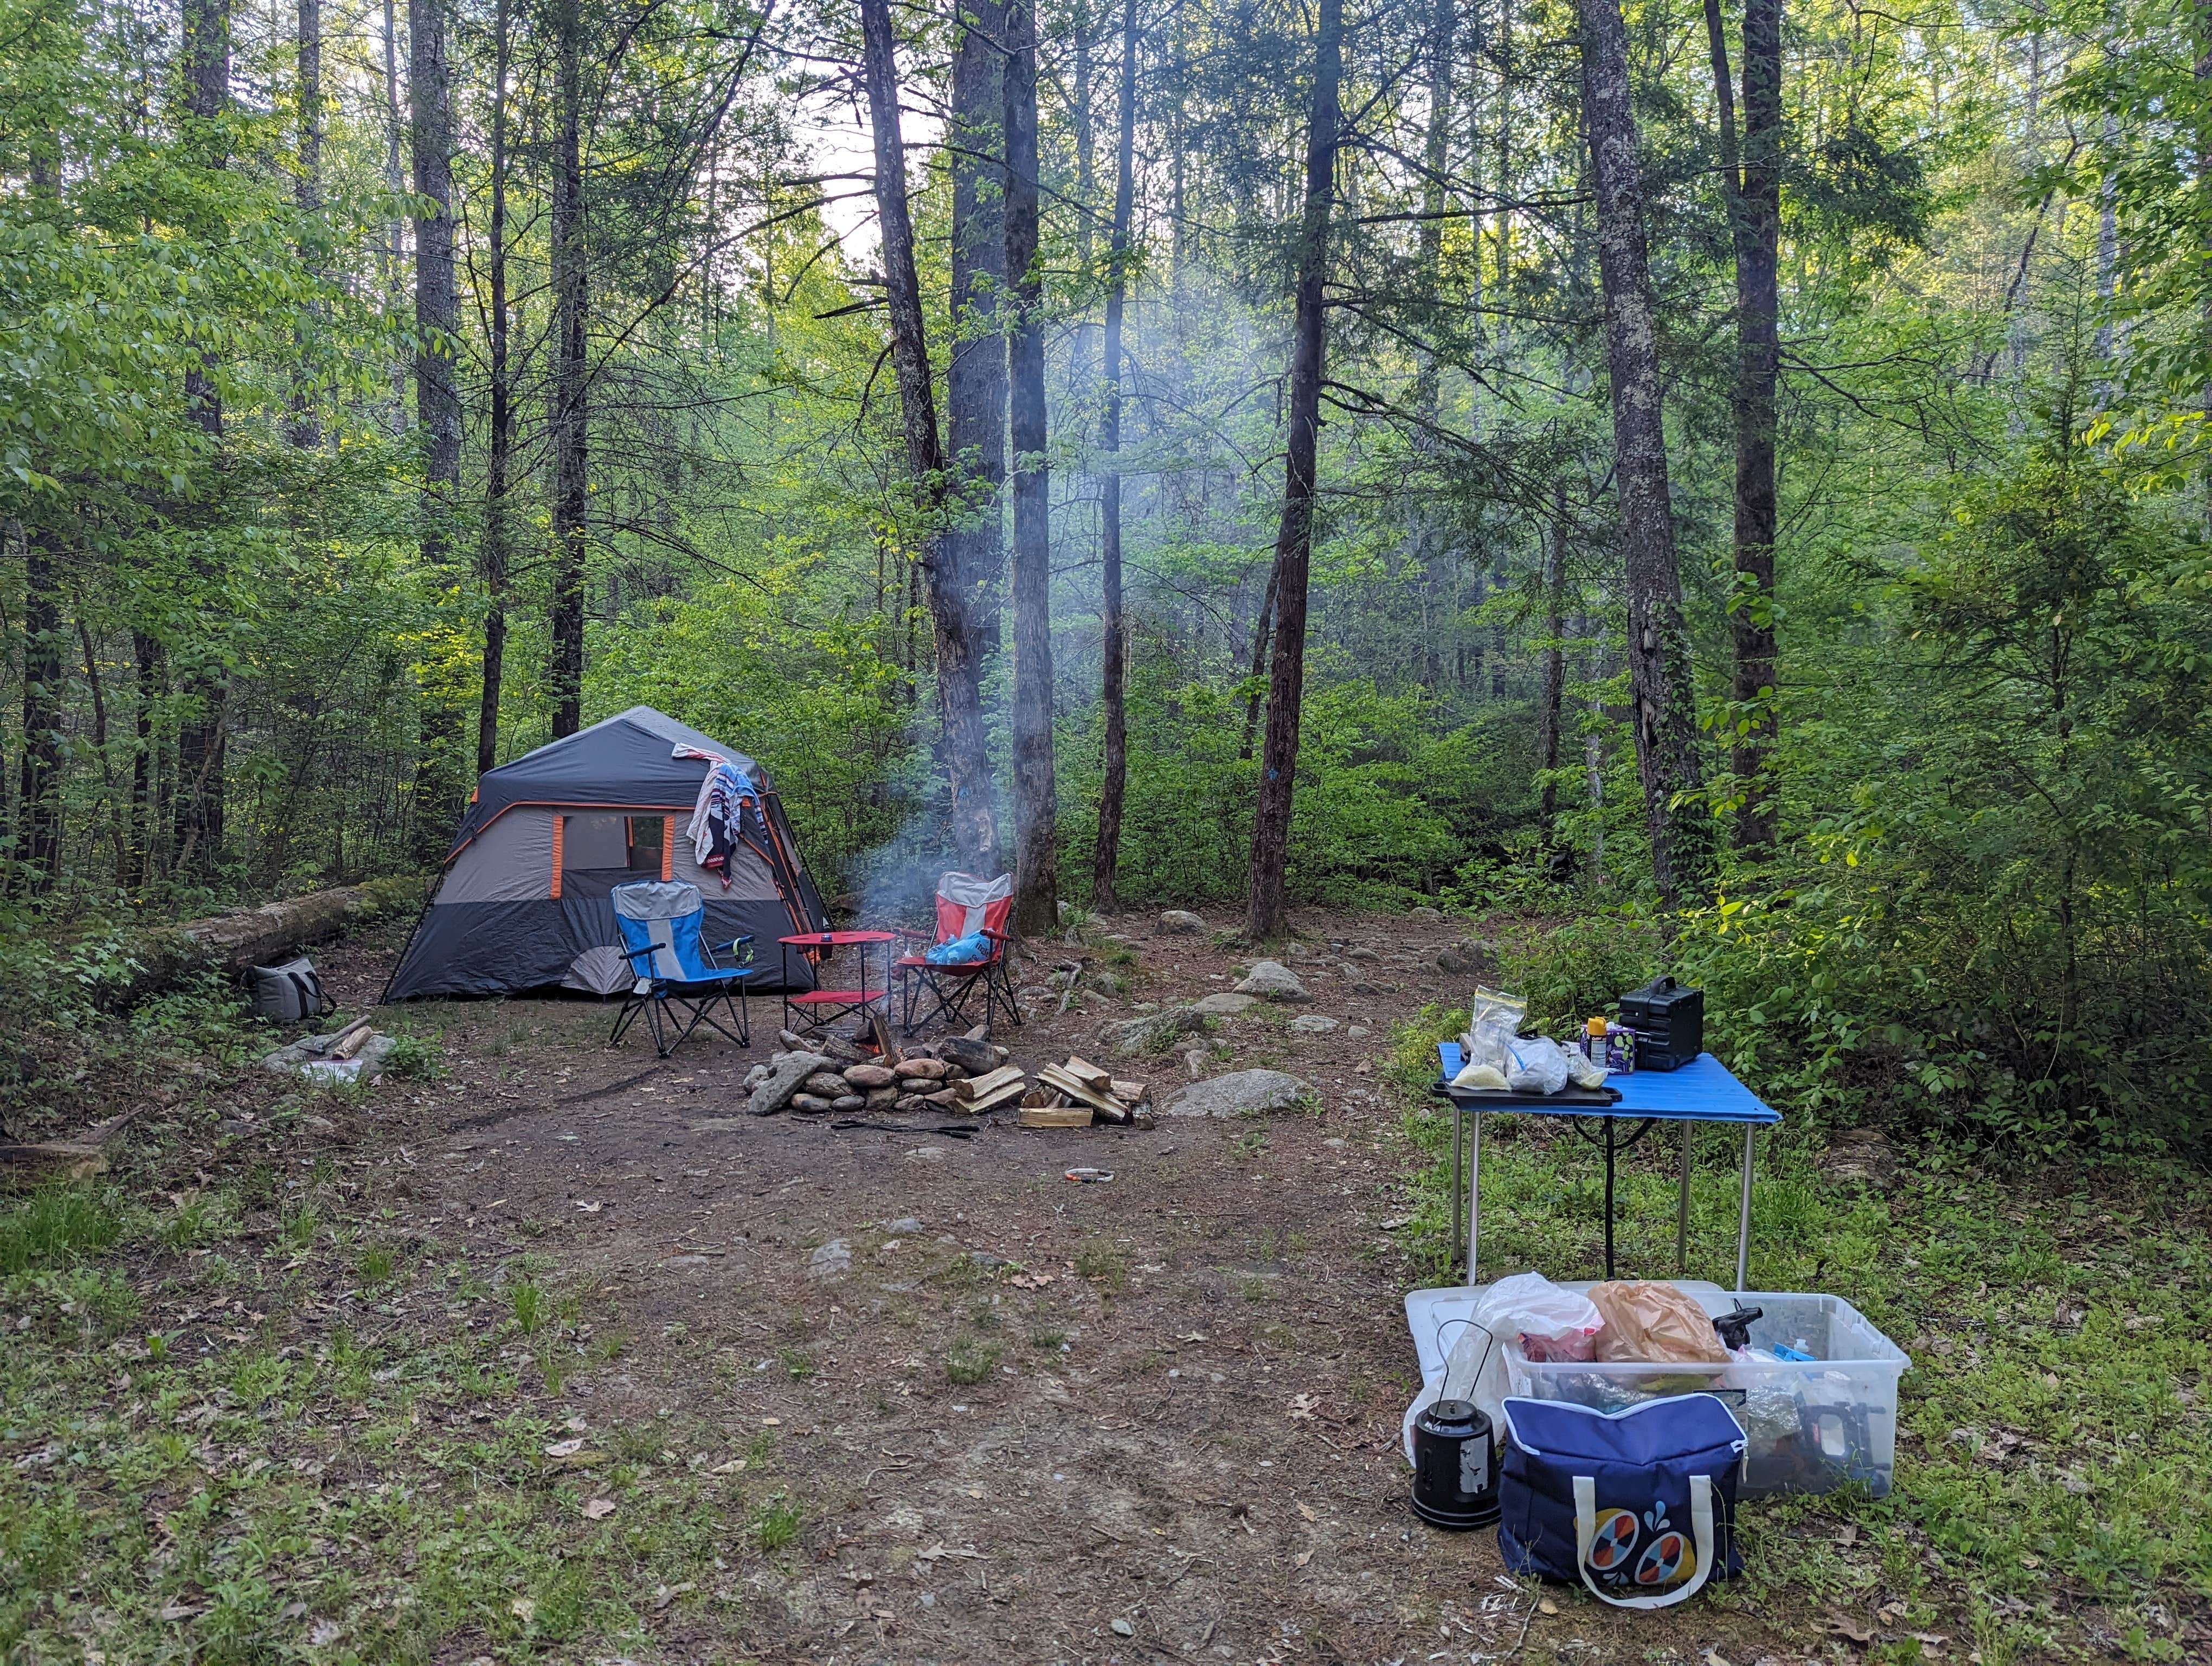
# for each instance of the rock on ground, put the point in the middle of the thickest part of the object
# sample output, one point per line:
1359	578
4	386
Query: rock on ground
1311	1024
785	1076
1240	1093
1154	1033
825	1084
832	1261
1181	921
1226	1001
811	1105
1273	980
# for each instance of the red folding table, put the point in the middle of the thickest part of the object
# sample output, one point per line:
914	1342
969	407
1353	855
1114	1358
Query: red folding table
827	1005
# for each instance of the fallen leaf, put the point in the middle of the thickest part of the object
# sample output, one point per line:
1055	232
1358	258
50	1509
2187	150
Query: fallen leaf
179	1611
1546	1605
663	1594
591	1208
770	1422
575	1426
1192	1336
1304	1405
562	1447
323	1632
599	1510
1306	1510
1302	1558
1932	1639
1849	1535
523	1609
734	1466
1842	1626
1715	1657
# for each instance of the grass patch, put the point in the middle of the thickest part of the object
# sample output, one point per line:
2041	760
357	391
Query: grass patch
970	1361
1103	1264
778	1524
58	1225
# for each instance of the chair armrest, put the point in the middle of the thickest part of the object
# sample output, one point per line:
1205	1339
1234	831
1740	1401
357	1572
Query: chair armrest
996	937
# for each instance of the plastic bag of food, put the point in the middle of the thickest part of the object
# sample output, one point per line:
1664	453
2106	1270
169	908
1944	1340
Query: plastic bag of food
1480	1075
1493	1023
1528	1307
1647	1320
1580	1070
1535	1064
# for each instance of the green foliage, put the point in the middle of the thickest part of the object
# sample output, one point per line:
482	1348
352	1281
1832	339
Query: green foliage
413	1059
56	1225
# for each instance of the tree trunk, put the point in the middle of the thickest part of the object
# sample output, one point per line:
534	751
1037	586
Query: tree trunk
500	443
1424	524
303	429
1036	811
201	746
148	820
1555	671
1755	218
1106	854
571	393
1658	640
1266	909
974	550
1262	638
39	795
438	769
967	762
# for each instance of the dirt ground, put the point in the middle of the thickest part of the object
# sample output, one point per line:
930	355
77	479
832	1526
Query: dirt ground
1031	1419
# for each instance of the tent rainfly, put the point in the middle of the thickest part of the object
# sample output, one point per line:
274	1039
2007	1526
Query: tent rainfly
524	888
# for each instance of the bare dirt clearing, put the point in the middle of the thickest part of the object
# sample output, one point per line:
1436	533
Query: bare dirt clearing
1016	1417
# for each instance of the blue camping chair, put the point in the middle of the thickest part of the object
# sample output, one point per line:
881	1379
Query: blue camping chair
679	983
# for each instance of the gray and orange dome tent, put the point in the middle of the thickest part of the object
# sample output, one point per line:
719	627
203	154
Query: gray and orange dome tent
524	889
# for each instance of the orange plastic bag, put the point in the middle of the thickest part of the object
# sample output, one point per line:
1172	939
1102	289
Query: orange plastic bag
1648	1321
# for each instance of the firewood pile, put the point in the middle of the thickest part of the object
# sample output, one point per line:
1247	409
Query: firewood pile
1078	1094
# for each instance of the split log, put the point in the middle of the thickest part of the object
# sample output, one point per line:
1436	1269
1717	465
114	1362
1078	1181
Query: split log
1105	1104
1005	1094
1097	1081
1049	1116
979	1087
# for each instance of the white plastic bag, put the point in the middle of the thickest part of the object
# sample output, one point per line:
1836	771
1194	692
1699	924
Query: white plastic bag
1536	1064
1525	1305
1492	1024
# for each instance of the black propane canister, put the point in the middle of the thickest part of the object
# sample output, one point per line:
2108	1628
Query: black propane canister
1455	1465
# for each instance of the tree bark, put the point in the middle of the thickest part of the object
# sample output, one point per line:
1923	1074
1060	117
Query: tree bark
438	769
201	748
1036	811
304	430
1425	524
967	761
1755	220
1658	640
1106	854
1266	908
148	820
499	442
571	392
1549	718
39	785
976	373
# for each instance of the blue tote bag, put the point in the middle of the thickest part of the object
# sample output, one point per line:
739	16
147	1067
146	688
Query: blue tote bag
1639	1504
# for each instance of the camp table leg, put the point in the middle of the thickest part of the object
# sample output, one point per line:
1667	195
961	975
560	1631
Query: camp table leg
1458	1178
1682	1206
1743	1212
1473	1193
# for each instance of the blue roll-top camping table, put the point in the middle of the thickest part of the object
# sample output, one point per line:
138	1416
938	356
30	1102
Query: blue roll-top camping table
1705	1091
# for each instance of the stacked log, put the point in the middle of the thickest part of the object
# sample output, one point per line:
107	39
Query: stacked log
1078	1093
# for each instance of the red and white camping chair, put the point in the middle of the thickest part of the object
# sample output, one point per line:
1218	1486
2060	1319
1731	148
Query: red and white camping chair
937	982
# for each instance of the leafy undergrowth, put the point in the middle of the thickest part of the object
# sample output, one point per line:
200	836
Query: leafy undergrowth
2055	1446
232	1435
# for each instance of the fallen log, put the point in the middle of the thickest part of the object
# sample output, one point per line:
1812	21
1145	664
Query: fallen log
256	936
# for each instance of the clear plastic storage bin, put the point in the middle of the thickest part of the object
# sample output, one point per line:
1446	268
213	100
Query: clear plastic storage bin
1814	1425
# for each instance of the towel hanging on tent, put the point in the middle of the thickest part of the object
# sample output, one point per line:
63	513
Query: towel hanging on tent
718	816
